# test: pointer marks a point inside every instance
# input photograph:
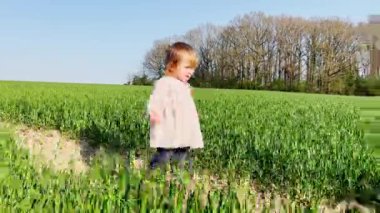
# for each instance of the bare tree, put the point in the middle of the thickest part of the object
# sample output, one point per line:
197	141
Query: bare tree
154	61
262	50
204	39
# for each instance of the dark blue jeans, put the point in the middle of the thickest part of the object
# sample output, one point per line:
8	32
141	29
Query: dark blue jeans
164	155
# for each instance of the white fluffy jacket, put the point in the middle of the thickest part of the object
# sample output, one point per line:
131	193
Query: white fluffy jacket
179	123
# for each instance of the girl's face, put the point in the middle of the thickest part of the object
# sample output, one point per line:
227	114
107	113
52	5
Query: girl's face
184	70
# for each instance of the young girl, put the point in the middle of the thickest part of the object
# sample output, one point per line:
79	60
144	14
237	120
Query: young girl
174	122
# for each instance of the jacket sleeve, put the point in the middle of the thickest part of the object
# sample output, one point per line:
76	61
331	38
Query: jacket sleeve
158	97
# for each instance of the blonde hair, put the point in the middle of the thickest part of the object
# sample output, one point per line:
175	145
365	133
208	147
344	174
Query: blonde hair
177	52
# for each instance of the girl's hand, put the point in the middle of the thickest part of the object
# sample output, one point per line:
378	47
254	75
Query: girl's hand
154	118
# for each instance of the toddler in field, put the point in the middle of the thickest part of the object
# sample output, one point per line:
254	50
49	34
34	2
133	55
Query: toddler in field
174	122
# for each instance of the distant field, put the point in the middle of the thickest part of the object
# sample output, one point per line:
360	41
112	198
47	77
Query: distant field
370	120
369	110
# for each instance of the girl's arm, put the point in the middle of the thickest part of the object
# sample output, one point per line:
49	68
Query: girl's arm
157	101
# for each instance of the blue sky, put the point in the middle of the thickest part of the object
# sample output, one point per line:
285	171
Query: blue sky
105	41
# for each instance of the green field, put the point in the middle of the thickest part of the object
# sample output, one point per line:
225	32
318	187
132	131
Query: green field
305	146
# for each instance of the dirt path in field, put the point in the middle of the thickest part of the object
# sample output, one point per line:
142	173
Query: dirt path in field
58	151
51	148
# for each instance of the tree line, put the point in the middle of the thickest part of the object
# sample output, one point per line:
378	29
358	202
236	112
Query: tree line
259	51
